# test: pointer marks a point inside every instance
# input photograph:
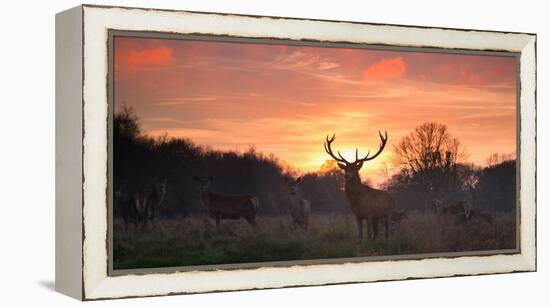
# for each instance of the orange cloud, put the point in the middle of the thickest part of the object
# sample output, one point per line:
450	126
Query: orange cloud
389	68
131	55
149	57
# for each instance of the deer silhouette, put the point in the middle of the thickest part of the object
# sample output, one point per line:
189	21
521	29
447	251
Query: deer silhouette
366	202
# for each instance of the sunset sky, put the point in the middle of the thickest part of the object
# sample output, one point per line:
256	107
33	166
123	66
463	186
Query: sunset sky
286	99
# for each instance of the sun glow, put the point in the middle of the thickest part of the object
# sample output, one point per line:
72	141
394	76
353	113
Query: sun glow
284	100
375	171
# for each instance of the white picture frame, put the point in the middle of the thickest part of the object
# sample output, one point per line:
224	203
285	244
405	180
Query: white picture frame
82	189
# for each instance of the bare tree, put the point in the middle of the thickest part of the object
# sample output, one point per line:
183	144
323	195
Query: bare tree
430	146
433	157
496	158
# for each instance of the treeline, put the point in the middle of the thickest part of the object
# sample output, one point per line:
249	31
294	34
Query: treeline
140	159
492	188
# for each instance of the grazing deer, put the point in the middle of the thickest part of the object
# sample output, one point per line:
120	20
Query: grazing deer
299	208
460	208
366	202
462	211
141	207
224	206
399	215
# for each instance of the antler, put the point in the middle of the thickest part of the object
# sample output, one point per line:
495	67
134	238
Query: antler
328	149
383	140
340	158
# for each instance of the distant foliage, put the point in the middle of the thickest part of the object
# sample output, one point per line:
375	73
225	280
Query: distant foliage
496	188
496	158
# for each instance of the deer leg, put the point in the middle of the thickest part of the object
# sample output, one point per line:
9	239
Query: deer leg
360	228
217	220
375	228
149	221
250	220
152	216
139	224
387	225
371	230
489	219
376	223
135	221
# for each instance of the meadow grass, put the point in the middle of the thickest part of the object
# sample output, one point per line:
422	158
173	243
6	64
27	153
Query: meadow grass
197	241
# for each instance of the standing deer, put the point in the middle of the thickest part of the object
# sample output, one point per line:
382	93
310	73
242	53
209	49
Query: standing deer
123	207
224	206
140	207
299	207
147	203
366	203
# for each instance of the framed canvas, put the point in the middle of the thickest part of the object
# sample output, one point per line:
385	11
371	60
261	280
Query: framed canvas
201	152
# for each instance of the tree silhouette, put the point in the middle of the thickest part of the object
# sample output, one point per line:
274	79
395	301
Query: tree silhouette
430	164
126	124
496	188
428	147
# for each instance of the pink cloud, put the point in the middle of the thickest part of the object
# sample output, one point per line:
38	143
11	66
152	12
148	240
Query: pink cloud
151	56
388	68
131	54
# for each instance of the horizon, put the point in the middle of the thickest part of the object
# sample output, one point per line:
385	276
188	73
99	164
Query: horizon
210	91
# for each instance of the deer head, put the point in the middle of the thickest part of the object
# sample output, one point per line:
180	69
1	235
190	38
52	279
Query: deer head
351	169
204	182
293	185
437	205
160	186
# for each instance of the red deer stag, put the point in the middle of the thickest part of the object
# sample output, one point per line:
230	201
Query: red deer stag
299	207
366	203
224	206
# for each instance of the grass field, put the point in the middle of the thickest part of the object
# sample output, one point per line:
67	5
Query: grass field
197	241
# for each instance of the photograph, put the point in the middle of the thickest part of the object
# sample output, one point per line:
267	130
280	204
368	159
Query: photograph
227	152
